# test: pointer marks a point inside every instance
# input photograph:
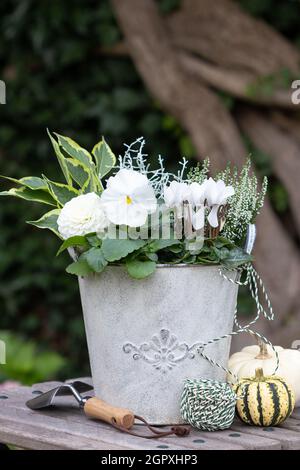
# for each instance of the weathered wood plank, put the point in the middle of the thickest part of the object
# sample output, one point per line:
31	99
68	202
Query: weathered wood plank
67	410
76	423
28	436
66	427
230	438
288	439
79	433
296	413
55	422
291	423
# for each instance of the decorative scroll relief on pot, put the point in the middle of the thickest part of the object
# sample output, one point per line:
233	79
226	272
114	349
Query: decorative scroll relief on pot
164	351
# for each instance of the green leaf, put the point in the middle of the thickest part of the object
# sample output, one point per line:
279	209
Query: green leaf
93	240
221	253
114	249
47	221
78	172
221	242
31	182
79	268
152	256
159	244
61	192
61	159
95	259
236	257
78	240
176	248
96	183
88	186
140	269
75	151
30	195
105	158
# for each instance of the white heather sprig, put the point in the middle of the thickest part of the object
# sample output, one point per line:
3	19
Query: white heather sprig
245	204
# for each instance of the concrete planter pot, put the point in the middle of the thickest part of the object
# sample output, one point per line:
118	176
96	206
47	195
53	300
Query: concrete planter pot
142	335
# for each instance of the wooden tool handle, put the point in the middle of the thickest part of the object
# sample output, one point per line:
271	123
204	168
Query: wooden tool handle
99	409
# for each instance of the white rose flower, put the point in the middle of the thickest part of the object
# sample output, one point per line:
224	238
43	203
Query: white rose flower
81	215
129	198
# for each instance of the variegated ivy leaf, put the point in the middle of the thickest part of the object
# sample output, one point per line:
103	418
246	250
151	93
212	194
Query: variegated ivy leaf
89	186
105	158
78	172
36	195
48	221
61	159
61	192
75	151
31	182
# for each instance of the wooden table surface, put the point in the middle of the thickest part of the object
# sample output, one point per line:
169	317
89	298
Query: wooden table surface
66	427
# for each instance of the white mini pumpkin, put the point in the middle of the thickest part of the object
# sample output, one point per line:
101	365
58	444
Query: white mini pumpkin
245	362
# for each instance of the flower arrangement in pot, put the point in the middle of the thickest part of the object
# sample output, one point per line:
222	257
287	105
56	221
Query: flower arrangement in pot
147	247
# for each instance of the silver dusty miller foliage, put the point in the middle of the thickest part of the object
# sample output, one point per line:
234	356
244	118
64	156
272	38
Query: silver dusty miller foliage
135	159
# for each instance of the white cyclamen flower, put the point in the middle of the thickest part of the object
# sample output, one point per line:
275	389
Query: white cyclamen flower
81	215
129	198
176	193
197	199
216	195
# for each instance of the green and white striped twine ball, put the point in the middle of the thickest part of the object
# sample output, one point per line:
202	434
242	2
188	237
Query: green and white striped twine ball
208	405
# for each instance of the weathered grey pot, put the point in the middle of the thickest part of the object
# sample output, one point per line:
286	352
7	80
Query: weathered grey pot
142	335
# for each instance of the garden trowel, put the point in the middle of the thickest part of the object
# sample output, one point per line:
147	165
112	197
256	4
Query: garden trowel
93	407
120	418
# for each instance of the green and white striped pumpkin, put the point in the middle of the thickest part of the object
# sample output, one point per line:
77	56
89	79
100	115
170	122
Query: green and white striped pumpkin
265	401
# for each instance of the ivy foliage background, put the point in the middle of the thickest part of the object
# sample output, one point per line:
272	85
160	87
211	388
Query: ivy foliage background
58	76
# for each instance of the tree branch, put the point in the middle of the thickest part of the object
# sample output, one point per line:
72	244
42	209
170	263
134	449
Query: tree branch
222	33
237	83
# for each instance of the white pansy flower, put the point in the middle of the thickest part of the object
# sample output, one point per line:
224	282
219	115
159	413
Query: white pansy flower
81	215
176	193
216	195
129	198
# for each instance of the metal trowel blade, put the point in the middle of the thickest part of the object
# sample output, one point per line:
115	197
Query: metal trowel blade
45	399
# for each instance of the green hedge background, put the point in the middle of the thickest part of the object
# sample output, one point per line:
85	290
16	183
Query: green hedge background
56	77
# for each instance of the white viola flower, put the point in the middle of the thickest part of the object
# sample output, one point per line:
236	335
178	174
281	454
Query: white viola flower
81	215
216	195
197	199
176	193
129	198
